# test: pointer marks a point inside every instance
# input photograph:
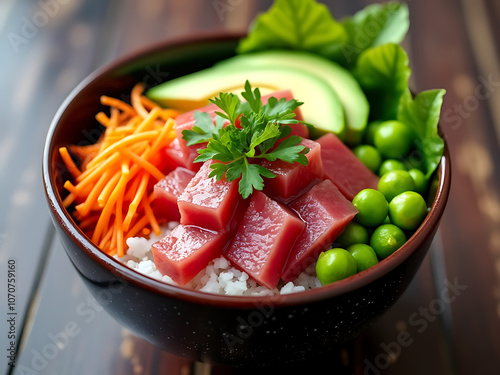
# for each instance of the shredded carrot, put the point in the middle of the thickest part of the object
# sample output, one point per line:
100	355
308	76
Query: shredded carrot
155	172
116	103
148	103
111	189
82	151
135	99
68	161
102	118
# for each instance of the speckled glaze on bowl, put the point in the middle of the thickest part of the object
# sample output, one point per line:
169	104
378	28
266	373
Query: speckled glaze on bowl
200	326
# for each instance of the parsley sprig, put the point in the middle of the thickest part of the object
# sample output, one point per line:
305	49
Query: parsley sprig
239	148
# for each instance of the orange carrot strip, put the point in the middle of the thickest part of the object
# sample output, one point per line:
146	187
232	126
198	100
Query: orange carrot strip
149	120
132	208
68	161
108	207
133	186
160	140
102	118
82	151
91	200
69	200
112	102
148	103
127	141
106	240
119	225
147	166
140	224
70	187
108	189
135	99
113	121
92	174
151	217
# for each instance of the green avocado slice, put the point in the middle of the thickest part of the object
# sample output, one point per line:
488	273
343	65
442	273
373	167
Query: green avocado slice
321	108
352	98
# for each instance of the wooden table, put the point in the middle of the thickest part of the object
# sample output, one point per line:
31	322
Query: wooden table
47	47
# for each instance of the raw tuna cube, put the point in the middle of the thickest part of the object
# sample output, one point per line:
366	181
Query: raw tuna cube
186	251
209	203
343	168
326	213
264	239
172	156
293	180
168	190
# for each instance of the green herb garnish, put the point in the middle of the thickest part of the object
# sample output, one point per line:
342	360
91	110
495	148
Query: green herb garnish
237	148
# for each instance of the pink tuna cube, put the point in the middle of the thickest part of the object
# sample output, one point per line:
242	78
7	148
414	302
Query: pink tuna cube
264	239
173	155
210	204
343	168
294	179
326	213
168	190
186	251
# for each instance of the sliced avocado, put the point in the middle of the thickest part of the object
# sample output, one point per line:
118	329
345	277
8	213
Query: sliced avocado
321	108
351	96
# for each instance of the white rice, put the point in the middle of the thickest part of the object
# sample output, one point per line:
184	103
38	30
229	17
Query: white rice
218	277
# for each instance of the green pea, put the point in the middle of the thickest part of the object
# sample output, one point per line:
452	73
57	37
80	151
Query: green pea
371	129
372	207
408	210
386	239
394	183
369	156
390	165
420	180
335	264
352	234
393	139
364	256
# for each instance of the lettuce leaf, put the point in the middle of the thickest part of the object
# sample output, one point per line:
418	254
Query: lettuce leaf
421	114
383	74
373	26
294	24
307	25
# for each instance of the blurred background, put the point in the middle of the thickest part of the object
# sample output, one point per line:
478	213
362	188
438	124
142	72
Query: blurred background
48	46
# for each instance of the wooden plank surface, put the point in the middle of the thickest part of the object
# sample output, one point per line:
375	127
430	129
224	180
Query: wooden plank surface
452	44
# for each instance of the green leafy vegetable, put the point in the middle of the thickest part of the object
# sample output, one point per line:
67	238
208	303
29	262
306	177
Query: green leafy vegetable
375	25
306	25
204	128
294	24
261	127
421	114
383	74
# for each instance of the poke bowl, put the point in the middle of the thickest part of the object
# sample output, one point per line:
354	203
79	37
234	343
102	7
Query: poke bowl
207	327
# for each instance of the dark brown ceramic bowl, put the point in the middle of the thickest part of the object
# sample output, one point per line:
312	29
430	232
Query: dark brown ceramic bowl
206	327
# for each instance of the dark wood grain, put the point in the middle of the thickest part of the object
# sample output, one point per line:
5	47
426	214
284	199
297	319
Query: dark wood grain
450	46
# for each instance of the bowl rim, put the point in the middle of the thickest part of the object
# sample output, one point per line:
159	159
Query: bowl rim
130	276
